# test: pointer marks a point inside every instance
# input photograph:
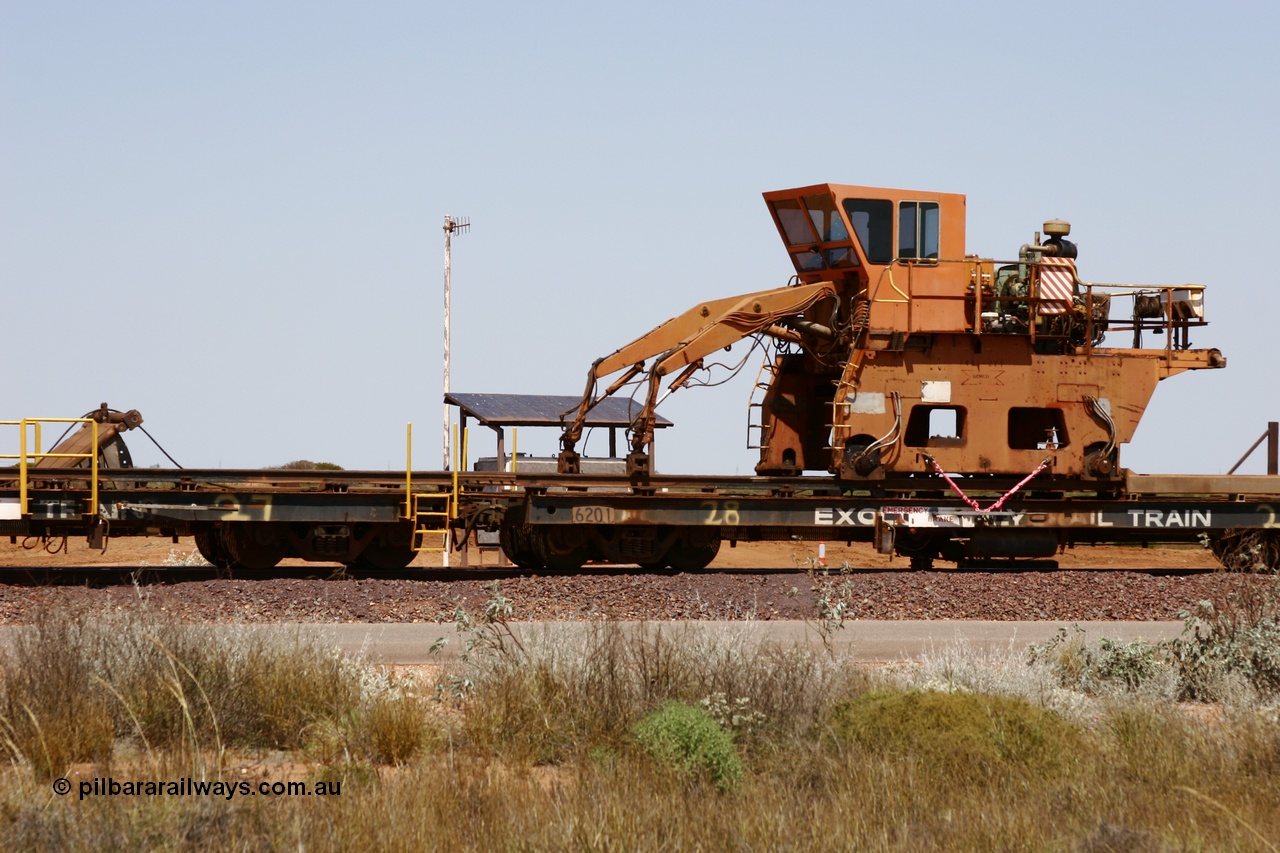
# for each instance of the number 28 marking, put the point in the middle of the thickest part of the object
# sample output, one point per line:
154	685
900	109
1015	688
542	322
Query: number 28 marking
725	513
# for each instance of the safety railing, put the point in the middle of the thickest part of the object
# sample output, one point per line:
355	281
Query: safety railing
1170	310
432	512
29	455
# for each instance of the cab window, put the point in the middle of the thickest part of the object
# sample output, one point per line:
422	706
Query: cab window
814	232
826	221
872	221
795	225
918	230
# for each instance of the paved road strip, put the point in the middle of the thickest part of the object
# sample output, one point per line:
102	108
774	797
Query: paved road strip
869	641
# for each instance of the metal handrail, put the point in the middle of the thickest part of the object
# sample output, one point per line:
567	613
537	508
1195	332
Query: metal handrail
27	457
1167	324
452	499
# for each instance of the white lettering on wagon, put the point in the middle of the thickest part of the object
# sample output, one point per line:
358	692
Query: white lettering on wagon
1171	518
828	516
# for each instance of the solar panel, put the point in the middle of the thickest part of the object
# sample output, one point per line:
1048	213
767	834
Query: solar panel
545	410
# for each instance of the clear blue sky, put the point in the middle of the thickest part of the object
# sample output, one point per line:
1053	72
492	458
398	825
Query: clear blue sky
228	215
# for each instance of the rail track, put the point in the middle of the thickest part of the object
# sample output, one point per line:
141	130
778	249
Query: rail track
100	576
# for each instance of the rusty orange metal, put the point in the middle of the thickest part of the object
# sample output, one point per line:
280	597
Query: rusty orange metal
977	365
898	352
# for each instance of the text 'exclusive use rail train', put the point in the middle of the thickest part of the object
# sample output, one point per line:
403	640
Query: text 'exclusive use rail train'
939	404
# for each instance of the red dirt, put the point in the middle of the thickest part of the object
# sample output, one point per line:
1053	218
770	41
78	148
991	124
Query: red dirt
155	551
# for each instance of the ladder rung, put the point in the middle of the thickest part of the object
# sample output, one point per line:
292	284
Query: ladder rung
420	543
432	512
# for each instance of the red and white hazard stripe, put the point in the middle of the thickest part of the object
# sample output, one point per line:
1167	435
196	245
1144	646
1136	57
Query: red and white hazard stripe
1057	285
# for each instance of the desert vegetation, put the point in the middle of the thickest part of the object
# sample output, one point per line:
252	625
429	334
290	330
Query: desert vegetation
634	737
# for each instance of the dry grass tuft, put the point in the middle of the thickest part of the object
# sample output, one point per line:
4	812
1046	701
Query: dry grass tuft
76	681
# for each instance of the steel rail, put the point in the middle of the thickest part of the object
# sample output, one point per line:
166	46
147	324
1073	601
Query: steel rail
105	576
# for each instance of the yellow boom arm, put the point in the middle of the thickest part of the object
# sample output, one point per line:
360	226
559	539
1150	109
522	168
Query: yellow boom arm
683	341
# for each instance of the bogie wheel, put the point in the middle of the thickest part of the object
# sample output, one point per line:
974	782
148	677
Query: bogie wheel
516	542
920	550
528	549
694	549
561	547
389	552
255	545
210	545
922	562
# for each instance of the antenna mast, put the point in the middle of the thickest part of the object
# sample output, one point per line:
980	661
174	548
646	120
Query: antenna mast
459	225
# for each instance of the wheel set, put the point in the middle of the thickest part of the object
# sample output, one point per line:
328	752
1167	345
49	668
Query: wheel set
567	547
261	545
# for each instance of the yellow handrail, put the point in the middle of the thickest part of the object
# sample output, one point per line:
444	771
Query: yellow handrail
26	457
408	471
457	464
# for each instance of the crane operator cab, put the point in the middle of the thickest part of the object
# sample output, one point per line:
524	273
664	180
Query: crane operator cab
903	253
878	245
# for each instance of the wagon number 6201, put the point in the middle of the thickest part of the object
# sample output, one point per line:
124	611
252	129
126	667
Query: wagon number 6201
593	515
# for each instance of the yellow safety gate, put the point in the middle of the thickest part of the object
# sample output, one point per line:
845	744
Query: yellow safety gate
29	454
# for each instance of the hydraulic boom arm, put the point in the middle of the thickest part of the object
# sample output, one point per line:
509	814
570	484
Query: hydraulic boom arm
682	342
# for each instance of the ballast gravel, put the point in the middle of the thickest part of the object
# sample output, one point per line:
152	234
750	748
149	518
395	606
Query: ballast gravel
1061	595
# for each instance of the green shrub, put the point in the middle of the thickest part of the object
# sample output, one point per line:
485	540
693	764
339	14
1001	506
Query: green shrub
966	734
1227	650
685	739
1238	640
1094	668
306	465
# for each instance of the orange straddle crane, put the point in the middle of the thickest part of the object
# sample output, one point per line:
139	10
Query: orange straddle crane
897	353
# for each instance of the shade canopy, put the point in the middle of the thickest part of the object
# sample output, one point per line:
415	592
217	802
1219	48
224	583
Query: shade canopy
549	410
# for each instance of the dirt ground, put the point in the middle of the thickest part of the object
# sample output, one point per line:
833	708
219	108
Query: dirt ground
156	551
